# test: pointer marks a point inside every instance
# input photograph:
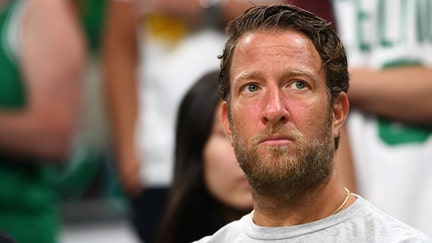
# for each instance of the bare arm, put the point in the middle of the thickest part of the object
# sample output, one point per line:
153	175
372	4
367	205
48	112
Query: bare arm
120	65
403	94
52	61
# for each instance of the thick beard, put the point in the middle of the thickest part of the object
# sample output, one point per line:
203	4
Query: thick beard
287	172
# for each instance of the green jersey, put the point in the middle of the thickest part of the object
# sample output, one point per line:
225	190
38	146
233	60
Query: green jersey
27	195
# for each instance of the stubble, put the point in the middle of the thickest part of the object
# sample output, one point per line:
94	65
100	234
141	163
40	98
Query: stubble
288	171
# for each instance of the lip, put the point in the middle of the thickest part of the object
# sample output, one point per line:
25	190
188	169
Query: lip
277	140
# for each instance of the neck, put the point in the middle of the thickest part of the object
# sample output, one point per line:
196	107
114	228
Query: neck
231	214
313	205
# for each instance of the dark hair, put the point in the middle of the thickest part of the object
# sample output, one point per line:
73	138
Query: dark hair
191	209
282	18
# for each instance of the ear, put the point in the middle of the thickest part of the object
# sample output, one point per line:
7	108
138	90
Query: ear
225	120
340	112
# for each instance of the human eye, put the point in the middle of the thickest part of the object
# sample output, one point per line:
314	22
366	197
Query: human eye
299	84
250	88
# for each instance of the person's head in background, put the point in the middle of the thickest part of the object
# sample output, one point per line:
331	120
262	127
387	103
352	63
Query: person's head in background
209	188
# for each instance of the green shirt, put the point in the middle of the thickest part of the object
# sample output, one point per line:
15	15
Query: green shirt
27	194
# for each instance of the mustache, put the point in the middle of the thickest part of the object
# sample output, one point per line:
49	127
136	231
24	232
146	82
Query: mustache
279	131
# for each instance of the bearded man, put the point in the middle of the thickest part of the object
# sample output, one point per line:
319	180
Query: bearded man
284	82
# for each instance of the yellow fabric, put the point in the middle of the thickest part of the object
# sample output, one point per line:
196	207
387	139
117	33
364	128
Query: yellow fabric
165	28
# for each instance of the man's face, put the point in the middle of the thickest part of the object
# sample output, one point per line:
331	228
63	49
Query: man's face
280	121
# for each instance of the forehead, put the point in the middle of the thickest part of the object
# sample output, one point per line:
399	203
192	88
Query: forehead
288	41
270	50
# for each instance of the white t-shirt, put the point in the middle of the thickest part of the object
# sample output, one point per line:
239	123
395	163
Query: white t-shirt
393	161
361	222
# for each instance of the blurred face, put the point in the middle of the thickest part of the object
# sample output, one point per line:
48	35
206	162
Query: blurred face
280	121
223	176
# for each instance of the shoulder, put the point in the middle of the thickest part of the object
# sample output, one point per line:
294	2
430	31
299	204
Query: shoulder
382	226
232	232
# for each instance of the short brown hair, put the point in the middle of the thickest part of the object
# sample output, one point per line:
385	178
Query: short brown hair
288	17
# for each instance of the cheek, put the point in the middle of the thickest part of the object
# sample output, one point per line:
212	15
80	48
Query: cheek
247	123
220	168
310	117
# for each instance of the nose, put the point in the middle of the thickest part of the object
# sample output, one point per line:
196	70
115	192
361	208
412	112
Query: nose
275	108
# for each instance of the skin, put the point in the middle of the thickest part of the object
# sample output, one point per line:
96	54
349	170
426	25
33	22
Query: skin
344	161
223	176
120	58
52	60
277	79
404	101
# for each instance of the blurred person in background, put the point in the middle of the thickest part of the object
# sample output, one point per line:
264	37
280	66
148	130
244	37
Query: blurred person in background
91	144
153	52
389	50
209	188
42	59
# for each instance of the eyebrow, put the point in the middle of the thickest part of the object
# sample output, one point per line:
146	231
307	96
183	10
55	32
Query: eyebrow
287	72
310	74
247	75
